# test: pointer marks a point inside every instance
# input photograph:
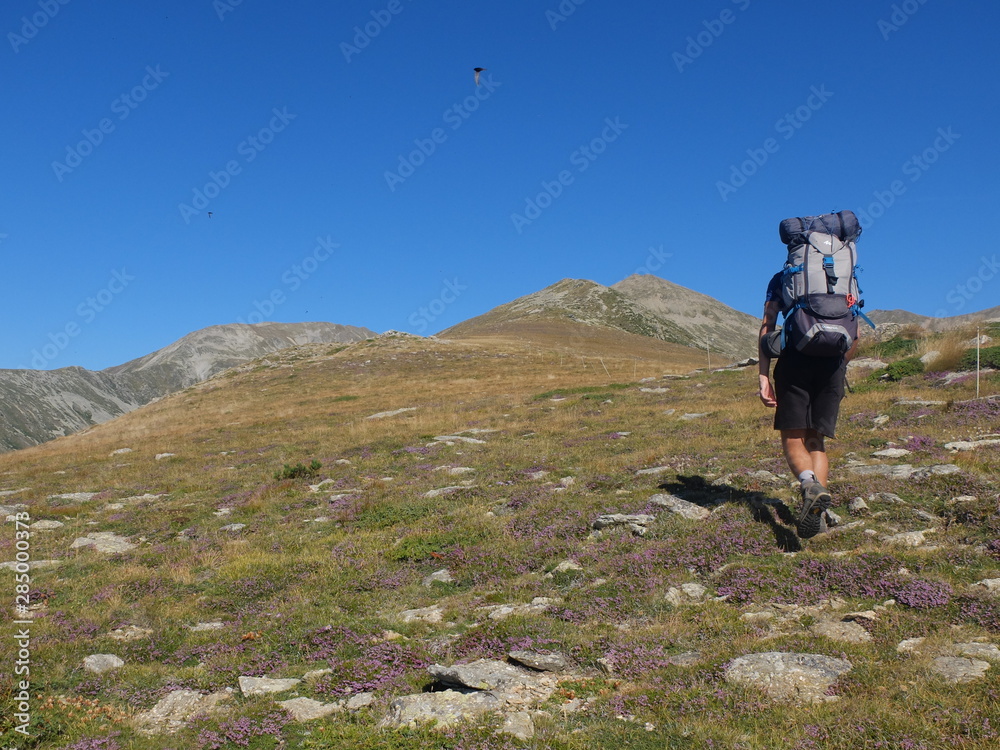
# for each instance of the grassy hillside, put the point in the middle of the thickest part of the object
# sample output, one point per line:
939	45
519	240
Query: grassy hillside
492	460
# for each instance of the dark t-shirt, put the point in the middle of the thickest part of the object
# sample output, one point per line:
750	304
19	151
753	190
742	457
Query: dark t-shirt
774	289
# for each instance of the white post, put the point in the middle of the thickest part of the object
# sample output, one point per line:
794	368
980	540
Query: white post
977	361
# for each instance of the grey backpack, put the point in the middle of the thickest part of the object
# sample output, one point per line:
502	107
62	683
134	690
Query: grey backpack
819	289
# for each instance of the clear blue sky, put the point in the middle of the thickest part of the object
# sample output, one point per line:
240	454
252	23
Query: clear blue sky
631	117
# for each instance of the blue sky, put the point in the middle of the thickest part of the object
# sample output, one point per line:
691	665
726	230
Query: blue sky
356	174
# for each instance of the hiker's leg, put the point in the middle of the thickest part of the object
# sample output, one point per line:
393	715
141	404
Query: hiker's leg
816	446
797	455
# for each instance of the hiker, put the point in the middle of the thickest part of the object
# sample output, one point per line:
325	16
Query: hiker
816	286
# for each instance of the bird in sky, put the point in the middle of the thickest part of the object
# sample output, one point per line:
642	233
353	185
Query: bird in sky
477	71
210	214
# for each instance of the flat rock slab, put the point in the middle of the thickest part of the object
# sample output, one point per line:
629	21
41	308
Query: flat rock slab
845	632
519	725
502	611
956	669
101	663
986	651
680	506
541	662
653	470
446	708
74	497
266	685
174	710
891	453
797	678
989	586
46	525
442	491
433	614
393	413
103	541
904	471
484	674
307	709
622	519
459	439
970	445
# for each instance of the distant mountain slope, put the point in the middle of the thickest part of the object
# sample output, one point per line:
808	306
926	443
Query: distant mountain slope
904	318
641	305
36	406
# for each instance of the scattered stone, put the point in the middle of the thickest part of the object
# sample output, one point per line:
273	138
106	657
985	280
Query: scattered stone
173	711
319	487
222	512
74	497
891	453
359	700
233	527
956	669
307	709
536	475
395	412
693	416
203	626
101	663
130	633
654	390
909	538
446	708
315	674
32	565
566	566
448	439
456	470
103	541
431	615
161	456
910	645
442	491
8	493
800	678
930	356
963	499
653	471
636	522
919	402
904	471
990	585
688	593
266	685
519	725
887	497
680	506
866	363
503	611
986	651
438	576
541	662
120	451
923	514
567	481
846	632
46	525
970	445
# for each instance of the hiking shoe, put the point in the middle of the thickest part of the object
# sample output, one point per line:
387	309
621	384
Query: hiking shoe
815	500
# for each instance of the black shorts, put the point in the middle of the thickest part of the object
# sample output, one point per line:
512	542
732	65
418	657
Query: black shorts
808	391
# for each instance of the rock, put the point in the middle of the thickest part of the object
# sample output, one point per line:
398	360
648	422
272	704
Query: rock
130	633
919	402
541	662
681	507
930	356
32	565
482	674
880	420
46	525
441	491
956	669
536	475
446	707
887	497
989	585
653	471
431	615
566	566
173	711
866	363
938	470
688	593
456	470
307	709
161	456
393	413
203	626
265	685
901	471
503	611
621	519
459	439
74	497
693	416
891	453
519	725
970	445
654	390
962	500
909	538
233	527
846	632
438	576
910	645
104	541
101	663
799	678
120	451
359	700
986	651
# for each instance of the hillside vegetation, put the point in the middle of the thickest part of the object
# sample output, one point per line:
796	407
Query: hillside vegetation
347	518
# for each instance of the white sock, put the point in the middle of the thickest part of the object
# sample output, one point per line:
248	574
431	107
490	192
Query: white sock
807	476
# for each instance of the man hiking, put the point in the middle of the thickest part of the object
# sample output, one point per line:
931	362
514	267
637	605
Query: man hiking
810	374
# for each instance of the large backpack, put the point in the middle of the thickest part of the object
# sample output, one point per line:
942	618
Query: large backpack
819	289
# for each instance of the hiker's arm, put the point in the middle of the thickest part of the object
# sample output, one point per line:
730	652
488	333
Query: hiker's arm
853	350
767	325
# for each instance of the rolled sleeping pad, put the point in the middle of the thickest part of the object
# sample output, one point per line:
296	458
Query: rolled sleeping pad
844	225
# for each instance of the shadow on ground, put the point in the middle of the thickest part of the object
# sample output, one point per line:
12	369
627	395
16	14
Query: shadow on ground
697	490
